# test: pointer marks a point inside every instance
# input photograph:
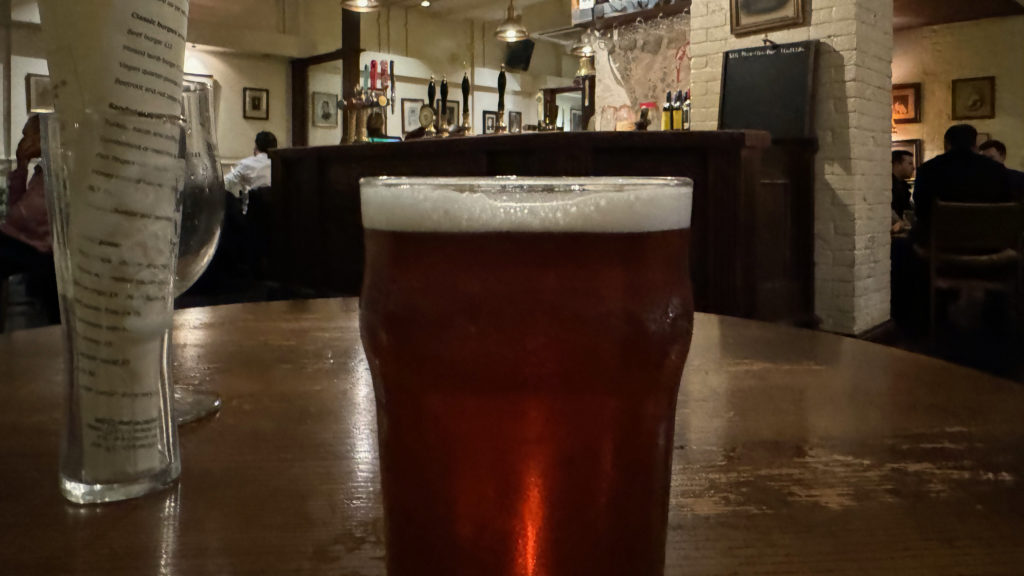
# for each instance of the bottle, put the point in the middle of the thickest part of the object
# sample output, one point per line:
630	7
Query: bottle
677	111
686	111
666	112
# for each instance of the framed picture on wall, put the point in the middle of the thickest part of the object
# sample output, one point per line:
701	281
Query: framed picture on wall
453	113
515	122
256	103
38	93
411	114
758	15
912	146
906	103
974	98
325	110
490	121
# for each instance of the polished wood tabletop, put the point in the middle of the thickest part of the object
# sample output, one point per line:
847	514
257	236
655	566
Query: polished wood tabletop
797	452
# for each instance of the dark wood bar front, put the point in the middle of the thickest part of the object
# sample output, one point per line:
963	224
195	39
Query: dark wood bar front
751	221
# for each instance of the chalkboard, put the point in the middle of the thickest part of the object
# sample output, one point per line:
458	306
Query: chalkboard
769	88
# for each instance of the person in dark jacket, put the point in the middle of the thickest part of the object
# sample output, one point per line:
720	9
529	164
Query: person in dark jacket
961	174
902	170
996	150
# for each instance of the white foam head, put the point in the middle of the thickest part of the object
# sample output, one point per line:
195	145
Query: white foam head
514	204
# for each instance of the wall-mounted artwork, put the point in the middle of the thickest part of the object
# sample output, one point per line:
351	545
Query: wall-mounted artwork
256	103
452	107
38	93
411	114
490	121
906	103
912	146
974	98
515	122
759	15
325	110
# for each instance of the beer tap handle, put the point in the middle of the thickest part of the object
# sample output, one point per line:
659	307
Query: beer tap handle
431	92
465	94
392	74
444	94
373	74
501	88
366	77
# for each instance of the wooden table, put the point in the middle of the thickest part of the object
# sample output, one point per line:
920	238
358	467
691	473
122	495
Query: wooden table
797	452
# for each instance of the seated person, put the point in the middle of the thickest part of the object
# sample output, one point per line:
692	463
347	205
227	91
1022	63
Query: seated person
902	170
996	150
25	240
254	171
958	175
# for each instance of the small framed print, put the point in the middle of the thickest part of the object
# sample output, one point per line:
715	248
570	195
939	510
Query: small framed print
325	109
759	15
912	146
452	108
515	122
411	114
974	98
906	103
490	121
38	93
256	103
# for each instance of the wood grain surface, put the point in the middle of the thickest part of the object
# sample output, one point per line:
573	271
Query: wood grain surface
797	452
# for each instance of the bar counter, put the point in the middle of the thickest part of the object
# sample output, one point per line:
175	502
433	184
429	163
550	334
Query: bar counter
752	242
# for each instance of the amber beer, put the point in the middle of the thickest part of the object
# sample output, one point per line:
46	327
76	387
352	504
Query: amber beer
526	339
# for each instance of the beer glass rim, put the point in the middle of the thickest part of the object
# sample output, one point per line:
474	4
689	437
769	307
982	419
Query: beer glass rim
526	204
536	184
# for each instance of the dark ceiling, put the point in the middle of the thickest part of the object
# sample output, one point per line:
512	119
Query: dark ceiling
916	13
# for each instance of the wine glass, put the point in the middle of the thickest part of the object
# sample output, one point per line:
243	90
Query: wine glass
202	211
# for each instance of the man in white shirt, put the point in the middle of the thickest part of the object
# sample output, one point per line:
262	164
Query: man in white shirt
254	171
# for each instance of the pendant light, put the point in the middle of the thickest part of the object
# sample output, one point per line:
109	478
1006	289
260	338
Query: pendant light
361	5
512	29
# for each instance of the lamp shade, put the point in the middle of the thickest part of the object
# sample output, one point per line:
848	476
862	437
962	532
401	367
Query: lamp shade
361	5
512	29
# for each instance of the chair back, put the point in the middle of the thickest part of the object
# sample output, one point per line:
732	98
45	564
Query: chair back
976	228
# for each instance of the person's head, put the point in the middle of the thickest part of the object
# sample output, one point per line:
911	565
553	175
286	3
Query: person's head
902	164
961	137
265	141
375	124
29	147
994	149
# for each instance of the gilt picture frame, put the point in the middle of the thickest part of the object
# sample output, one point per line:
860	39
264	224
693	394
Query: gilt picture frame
255	103
749	16
906	103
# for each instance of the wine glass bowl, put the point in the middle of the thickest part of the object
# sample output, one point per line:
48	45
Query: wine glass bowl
202	213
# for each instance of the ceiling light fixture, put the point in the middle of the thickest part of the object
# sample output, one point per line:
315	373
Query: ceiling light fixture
425	3
512	29
361	5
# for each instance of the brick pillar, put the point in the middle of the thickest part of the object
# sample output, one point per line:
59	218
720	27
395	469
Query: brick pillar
852	119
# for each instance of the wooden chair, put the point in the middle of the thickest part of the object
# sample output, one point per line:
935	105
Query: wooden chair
975	246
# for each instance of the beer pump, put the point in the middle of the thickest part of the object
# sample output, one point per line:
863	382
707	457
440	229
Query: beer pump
501	128
442	112
427	114
369	95
467	126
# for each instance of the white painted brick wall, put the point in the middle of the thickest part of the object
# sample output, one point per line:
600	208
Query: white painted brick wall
852	186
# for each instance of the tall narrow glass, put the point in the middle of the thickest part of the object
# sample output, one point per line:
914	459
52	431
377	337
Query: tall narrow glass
113	183
526	339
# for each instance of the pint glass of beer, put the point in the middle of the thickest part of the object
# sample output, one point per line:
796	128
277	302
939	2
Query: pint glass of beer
526	338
